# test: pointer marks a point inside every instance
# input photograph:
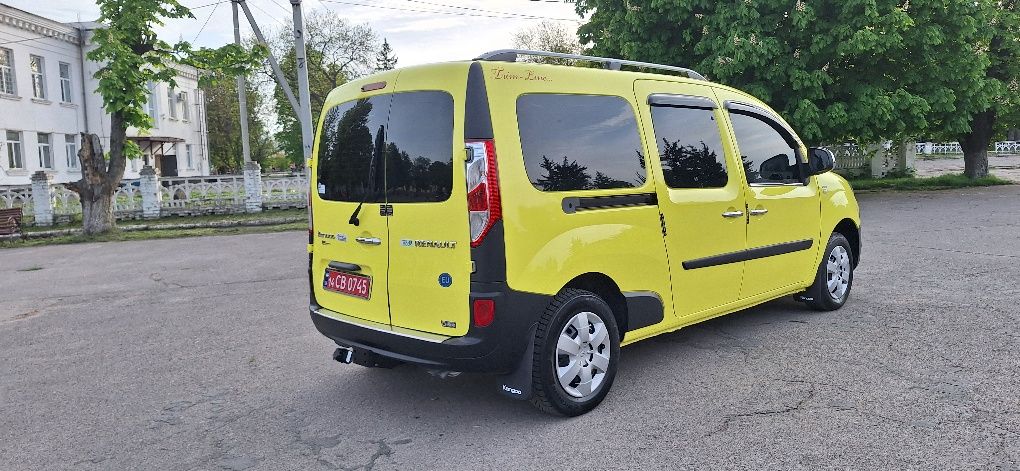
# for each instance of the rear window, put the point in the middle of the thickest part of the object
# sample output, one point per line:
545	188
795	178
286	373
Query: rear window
388	148
579	142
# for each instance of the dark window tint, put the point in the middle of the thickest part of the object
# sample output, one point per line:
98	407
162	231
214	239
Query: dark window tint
408	160
579	142
419	148
766	156
350	164
689	147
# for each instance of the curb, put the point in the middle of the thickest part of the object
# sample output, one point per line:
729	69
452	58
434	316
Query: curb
153	227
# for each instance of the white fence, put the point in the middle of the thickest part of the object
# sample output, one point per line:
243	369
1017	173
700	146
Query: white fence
944	148
184	196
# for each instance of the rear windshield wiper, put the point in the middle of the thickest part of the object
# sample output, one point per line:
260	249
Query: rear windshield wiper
380	142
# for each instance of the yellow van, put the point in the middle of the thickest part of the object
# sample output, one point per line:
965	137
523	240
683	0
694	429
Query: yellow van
527	220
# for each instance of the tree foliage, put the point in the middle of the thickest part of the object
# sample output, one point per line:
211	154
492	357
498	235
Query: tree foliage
132	56
385	59
336	51
547	36
224	126
847	70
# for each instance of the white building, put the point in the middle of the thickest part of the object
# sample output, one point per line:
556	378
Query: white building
48	96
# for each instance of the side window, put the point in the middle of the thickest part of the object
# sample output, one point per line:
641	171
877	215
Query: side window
690	147
580	142
764	152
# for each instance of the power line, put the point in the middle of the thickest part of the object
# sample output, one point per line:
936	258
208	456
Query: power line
206	5
459	7
439	12
270	15
211	13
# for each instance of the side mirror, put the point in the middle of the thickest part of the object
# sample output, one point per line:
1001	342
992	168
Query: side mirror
820	160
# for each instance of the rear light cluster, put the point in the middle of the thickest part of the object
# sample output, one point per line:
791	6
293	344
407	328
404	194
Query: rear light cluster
482	189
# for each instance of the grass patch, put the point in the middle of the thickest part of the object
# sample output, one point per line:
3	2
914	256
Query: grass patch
266	214
941	182
117	236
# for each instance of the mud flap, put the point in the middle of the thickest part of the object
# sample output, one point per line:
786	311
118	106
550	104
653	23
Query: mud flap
517	385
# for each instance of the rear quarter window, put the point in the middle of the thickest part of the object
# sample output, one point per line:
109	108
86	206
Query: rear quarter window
580	142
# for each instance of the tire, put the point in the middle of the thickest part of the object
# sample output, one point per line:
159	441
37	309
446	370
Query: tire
835	276
572	396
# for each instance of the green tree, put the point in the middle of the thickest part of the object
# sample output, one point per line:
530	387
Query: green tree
224	126
336	51
547	36
848	70
132	56
385	59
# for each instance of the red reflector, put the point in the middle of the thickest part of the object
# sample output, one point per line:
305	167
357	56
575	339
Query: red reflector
484	312
478	199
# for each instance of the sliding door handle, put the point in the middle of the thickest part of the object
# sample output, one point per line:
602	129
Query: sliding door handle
733	214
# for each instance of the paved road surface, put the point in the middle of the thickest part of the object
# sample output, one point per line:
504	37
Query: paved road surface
199	354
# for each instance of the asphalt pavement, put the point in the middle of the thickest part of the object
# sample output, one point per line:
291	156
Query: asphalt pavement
199	354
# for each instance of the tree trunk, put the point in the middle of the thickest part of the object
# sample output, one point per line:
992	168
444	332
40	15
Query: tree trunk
975	144
100	178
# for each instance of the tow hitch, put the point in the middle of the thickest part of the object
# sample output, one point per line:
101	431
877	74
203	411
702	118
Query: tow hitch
344	355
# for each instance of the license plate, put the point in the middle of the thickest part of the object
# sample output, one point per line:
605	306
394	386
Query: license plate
359	286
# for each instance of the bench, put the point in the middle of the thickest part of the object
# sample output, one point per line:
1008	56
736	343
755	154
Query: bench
10	221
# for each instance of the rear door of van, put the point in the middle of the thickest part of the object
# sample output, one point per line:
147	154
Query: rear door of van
350	251
391	219
429	243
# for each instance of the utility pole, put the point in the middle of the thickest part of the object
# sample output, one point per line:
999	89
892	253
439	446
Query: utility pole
305	111
242	95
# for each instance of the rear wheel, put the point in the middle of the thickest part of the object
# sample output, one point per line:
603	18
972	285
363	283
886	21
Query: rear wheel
577	348
835	276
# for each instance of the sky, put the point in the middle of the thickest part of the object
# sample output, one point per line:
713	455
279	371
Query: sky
419	31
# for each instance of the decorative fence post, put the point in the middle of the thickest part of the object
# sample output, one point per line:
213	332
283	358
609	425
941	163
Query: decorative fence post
42	198
252	187
152	198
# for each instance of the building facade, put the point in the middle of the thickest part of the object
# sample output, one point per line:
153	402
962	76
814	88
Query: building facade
48	97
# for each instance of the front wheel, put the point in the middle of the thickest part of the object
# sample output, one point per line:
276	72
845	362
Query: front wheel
835	276
577	348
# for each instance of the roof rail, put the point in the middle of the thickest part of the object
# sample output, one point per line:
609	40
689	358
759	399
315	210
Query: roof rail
510	55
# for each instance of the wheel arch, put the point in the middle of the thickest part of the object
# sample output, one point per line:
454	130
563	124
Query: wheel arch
607	289
848	228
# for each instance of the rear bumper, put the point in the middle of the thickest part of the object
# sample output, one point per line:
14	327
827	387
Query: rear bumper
494	349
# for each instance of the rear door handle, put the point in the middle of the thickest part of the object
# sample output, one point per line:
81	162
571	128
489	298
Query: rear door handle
345	266
732	214
369	240
758	212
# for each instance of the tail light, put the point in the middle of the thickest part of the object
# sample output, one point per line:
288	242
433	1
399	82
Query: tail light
482	189
483	312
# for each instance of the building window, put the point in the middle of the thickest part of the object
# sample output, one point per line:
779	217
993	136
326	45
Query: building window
185	112
45	155
71	145
38	68
171	99
14	159
188	155
152	105
6	72
65	82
